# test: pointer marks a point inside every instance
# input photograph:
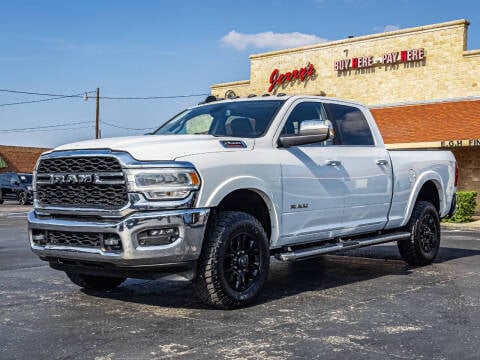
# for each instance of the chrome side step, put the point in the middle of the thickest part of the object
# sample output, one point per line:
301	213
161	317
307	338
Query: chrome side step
346	245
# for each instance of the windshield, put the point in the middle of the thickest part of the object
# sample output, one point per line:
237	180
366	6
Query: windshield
249	119
25	178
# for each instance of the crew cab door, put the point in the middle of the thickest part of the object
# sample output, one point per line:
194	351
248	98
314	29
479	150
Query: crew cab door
313	187
367	169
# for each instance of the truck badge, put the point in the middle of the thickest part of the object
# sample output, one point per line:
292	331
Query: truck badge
298	206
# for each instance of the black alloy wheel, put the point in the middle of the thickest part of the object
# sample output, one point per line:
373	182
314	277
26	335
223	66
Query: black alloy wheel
424	243
234	262
428	234
242	261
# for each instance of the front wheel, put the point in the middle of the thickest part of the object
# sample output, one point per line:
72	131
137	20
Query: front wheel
423	245
234	262
94	282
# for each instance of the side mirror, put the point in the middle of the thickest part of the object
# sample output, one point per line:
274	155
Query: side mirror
311	131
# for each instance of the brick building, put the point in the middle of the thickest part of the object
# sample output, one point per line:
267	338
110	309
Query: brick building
19	158
422	85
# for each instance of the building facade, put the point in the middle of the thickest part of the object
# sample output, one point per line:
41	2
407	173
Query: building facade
422	85
19	158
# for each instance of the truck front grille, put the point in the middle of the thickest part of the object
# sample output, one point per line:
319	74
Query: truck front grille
76	239
85	182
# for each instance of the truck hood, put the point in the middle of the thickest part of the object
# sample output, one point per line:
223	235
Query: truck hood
161	147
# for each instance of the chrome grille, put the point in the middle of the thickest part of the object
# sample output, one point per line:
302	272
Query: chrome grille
74	239
79	165
59	183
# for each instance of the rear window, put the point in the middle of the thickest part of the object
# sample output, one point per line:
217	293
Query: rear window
351	125
25	178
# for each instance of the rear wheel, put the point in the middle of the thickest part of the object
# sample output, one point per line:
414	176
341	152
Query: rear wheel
424	243
94	282
234	262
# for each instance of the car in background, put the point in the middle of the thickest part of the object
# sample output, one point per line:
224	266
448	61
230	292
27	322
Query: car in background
16	186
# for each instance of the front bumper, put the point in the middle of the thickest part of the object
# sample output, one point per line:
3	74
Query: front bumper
185	249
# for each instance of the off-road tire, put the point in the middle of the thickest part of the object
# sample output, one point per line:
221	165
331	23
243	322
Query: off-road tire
94	282
22	198
424	242
228	277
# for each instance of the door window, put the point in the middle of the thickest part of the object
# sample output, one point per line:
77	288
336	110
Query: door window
350	125
307	111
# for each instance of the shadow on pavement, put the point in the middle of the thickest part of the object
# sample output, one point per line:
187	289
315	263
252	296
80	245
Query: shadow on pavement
285	279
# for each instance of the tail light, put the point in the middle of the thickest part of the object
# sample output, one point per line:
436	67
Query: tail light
456	173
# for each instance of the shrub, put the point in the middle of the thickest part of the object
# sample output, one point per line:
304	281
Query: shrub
466	204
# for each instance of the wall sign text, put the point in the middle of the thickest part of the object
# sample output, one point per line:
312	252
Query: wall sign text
460	143
389	58
302	74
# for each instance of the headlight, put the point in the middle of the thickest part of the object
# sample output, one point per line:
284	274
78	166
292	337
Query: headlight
163	184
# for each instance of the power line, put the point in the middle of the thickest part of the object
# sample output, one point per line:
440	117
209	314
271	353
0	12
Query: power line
81	95
37	101
37	130
46	126
126	128
150	97
44	94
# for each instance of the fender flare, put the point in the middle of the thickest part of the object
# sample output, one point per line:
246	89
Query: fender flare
251	183
422	180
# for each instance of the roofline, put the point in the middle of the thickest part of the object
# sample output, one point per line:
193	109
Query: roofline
460	22
424	102
285	97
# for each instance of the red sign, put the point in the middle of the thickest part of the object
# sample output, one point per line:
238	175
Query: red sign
403	56
387	59
276	78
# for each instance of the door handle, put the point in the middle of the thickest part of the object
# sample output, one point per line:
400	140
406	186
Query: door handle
333	162
382	162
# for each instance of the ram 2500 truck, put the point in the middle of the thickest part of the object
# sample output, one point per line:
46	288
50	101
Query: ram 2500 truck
223	186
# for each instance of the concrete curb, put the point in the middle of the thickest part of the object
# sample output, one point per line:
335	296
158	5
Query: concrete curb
474	225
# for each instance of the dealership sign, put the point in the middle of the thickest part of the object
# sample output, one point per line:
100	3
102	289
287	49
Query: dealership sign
460	143
301	74
389	58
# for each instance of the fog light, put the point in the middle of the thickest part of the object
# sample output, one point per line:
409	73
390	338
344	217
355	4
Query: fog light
38	237
111	242
156	237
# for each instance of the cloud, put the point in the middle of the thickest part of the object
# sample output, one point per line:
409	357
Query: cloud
389	28
269	40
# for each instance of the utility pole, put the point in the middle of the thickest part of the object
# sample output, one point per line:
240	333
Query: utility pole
97	116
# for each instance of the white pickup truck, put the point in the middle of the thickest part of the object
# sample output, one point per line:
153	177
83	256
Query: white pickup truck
222	186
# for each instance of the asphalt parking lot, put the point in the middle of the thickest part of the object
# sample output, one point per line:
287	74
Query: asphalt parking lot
366	304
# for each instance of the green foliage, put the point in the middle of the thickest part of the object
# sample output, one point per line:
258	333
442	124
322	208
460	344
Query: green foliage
466	204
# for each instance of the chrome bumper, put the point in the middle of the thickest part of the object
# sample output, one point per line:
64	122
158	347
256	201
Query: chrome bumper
191	224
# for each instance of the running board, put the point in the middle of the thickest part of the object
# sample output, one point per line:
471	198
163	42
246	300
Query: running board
347	245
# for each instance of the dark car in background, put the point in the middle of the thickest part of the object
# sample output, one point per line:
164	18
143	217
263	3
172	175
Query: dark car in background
16	186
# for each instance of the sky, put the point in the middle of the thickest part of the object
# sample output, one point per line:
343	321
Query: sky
147	48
